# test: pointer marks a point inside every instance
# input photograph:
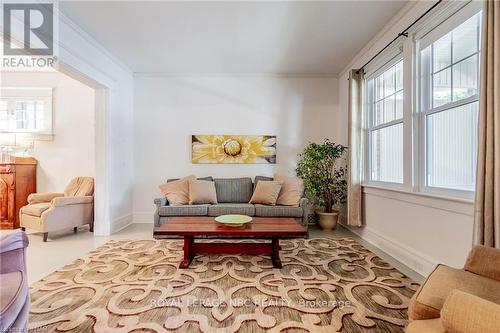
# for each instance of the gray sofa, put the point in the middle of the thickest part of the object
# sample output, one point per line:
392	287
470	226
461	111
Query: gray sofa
233	195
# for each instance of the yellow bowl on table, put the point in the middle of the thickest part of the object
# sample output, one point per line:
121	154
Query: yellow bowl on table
233	220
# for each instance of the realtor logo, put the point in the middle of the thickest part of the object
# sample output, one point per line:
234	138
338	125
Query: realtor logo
37	24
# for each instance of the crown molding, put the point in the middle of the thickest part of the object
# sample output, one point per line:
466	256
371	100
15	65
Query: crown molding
240	75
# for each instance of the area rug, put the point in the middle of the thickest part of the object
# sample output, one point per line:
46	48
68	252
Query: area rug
325	285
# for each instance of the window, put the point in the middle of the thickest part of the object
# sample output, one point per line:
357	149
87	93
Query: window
449	114
26	110
385	124
421	106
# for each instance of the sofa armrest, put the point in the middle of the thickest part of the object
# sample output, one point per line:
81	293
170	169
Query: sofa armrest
304	204
66	201
12	253
484	261
43	197
464	312
161	202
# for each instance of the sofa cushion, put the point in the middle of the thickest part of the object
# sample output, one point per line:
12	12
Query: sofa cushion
231	208
184	210
177	192
233	190
35	209
278	211
291	192
259	178
13	294
484	261
202	192
425	326
266	193
429	299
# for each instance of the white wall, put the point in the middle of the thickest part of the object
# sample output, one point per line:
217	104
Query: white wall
418	230
71	152
82	57
168	110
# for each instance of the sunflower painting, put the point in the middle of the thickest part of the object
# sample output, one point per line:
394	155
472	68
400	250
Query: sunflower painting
227	149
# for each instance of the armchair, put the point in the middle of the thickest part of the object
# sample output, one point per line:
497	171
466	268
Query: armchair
14	292
460	300
48	212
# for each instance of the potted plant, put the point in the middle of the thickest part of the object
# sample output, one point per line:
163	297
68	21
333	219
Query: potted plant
323	171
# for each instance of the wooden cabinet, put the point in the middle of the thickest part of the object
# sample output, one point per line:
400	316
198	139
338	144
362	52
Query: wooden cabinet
17	181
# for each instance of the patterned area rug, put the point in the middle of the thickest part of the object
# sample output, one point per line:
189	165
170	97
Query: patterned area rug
325	285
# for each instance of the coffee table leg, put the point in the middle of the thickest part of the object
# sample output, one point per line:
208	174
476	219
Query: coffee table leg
188	254
276	253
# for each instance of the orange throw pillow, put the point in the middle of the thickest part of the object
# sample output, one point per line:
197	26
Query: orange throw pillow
291	190
266	193
177	191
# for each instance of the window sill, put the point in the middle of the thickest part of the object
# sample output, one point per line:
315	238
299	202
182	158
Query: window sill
31	136
453	204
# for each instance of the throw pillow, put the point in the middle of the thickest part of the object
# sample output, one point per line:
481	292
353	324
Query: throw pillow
266	193
291	190
177	192
202	192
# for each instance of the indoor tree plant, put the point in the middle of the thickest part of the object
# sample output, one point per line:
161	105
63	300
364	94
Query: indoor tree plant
322	168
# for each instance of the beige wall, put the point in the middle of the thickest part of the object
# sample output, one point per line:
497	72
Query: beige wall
71	152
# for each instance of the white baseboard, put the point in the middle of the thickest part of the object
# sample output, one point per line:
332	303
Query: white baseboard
121	223
143	217
410	257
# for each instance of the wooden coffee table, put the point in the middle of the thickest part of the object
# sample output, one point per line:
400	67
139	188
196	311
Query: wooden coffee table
272	228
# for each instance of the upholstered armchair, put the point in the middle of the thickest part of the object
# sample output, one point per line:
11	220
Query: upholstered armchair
460	300
48	212
14	292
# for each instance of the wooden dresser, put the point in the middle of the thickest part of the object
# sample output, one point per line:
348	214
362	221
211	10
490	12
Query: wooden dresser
17	181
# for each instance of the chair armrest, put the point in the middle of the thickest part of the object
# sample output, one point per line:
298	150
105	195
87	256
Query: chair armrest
43	197
12	252
13	241
464	312
66	201
161	202
484	261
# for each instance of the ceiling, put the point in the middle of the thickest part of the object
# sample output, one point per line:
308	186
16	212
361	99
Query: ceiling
288	38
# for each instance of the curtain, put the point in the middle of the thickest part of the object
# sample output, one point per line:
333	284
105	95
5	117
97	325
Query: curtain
355	153
487	201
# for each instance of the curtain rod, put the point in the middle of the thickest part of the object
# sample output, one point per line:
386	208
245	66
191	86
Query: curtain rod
403	33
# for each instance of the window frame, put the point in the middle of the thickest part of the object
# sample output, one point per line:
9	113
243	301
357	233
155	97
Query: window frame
425	98
388	61
14	94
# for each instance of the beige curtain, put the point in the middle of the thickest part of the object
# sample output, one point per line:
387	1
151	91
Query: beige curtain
487	204
355	155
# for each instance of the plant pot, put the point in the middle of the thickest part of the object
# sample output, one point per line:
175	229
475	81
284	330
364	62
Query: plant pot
328	221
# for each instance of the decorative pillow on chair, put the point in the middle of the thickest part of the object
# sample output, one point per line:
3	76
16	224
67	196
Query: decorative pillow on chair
291	190
177	191
266	193
202	192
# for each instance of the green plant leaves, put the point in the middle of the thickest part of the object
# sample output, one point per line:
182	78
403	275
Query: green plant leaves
321	166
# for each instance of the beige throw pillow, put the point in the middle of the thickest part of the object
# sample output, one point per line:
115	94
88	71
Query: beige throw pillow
202	192
177	191
291	190
266	193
